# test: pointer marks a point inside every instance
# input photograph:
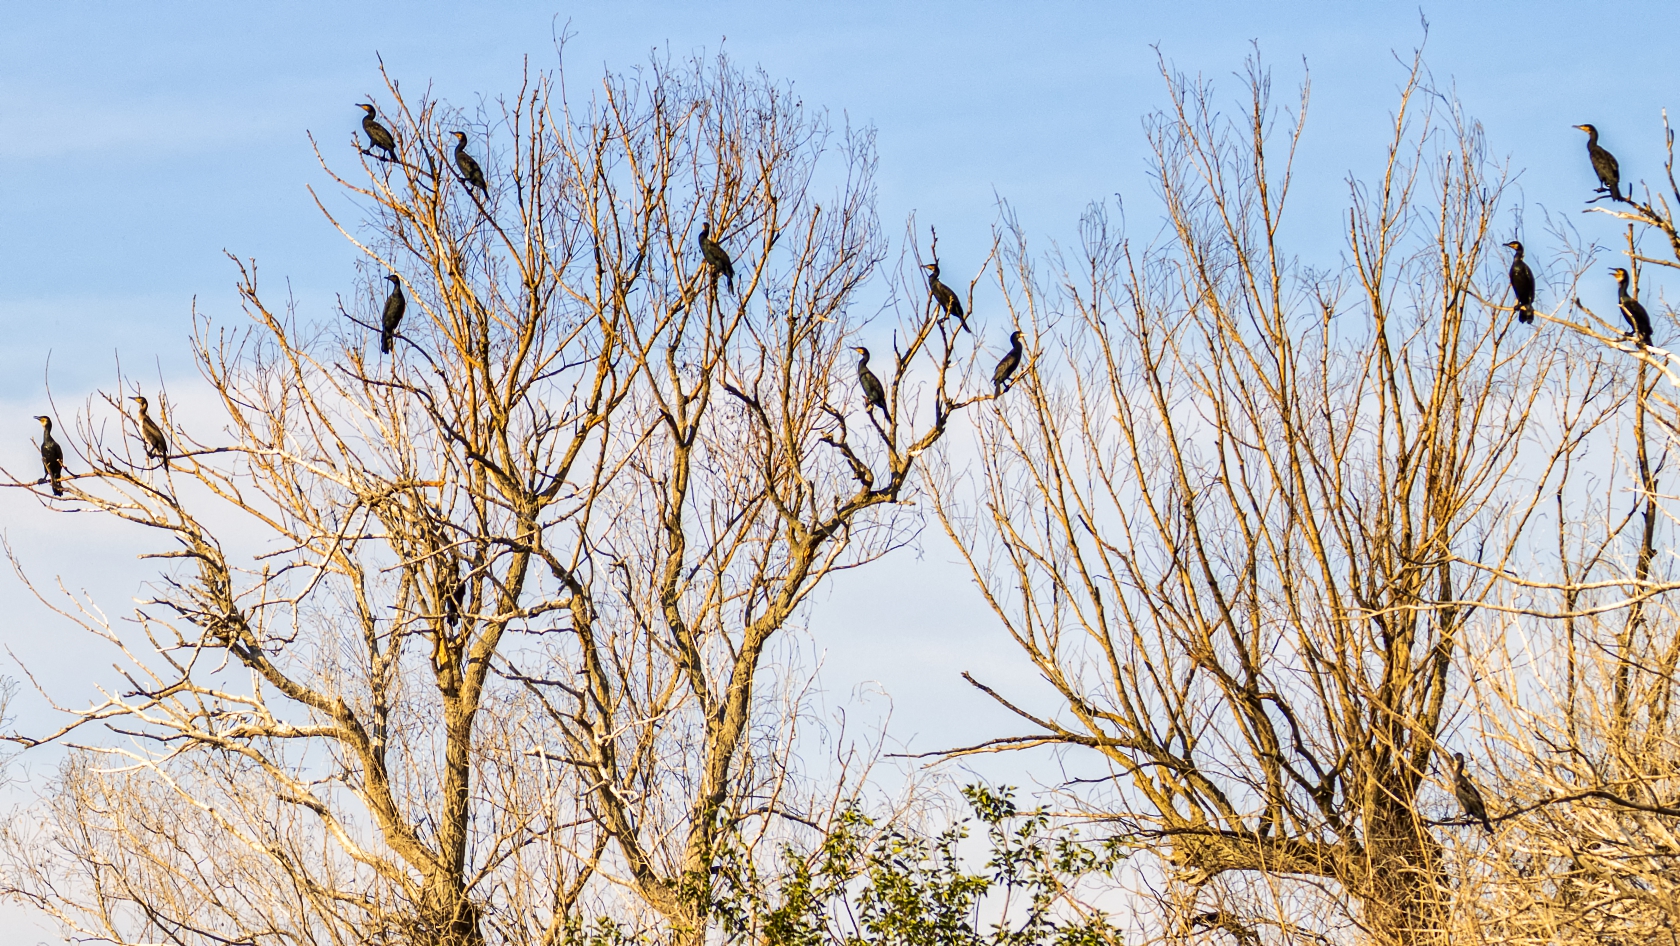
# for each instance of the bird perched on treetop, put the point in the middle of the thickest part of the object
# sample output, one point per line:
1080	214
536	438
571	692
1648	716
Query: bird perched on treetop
157	448
52	456
378	135
1631	309
1522	284
873	394
717	258
945	298
1468	797
1007	364
470	171
1604	164
395	306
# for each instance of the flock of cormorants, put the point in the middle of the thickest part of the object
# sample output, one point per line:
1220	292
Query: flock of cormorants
715	257
1610	185
717	260
1639	324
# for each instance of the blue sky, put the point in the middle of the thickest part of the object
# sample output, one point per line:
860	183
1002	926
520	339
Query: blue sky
138	142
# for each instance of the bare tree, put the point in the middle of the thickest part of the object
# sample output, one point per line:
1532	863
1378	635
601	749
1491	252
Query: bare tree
459	644
1241	513
1582	714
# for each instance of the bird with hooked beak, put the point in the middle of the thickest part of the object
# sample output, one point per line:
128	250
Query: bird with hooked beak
1604	165
1522	284
874	395
944	297
157	448
395	305
1007	364
378	135
52	456
1469	798
470	171
716	258
1635	313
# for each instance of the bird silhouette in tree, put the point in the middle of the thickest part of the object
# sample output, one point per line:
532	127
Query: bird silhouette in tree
470	171
1469	798
874	395
1635	313
944	297
1007	364
378	135
1522	284
1604	165
157	448
717	258
395	306
52	456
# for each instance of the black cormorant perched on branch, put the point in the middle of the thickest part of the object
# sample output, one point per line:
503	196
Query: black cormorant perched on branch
1522	284
453	600
470	171
1631	309
1604	164
945	298
1468	796
1007	364
52	456
378	135
873	393
157	448
395	305
717	258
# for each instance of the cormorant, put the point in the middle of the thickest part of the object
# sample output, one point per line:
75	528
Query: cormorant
944	297
157	448
470	171
1604	164
1631	309
453	600
395	305
1468	796
873	393
378	135
1522	284
1007	364
716	256
52	456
